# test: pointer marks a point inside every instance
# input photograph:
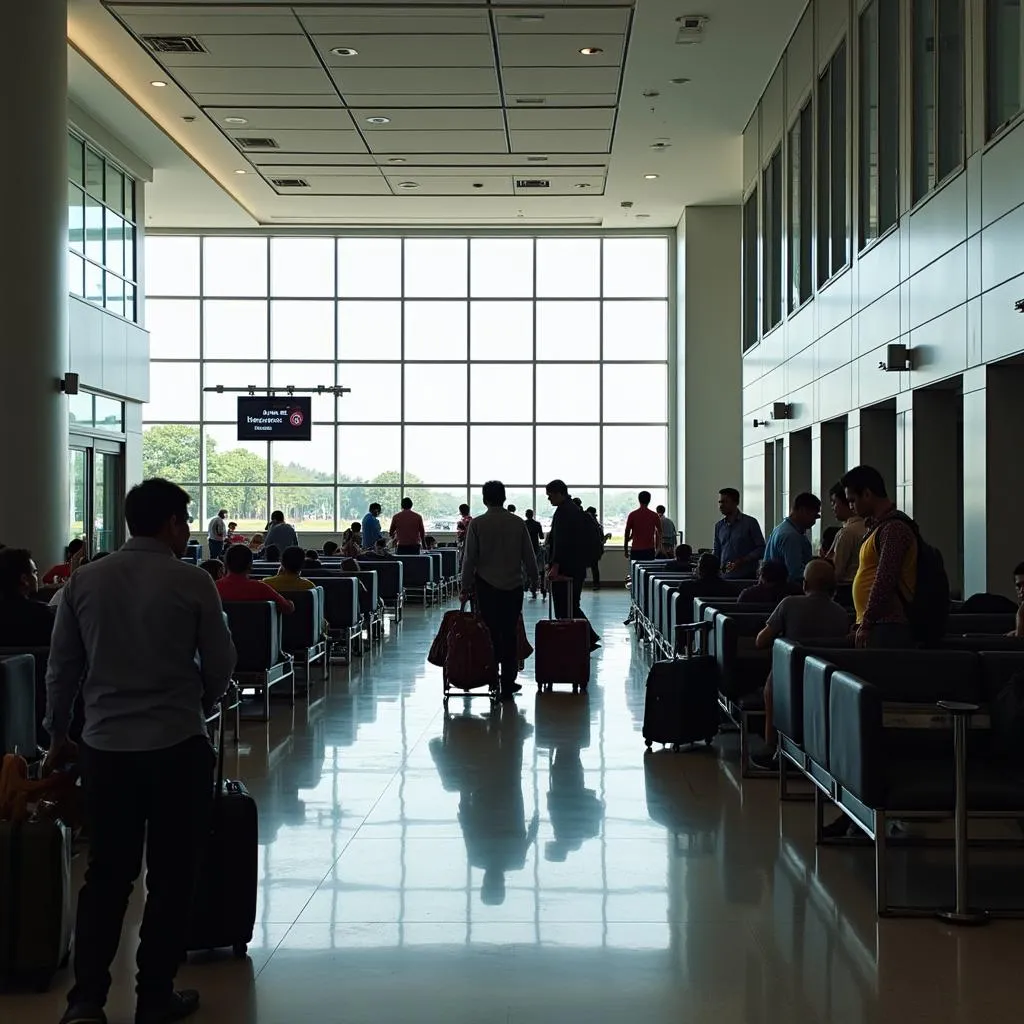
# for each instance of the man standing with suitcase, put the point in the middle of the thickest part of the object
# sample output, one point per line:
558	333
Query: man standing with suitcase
129	630
498	550
570	538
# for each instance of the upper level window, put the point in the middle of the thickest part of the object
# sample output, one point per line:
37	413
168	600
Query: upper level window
801	206
750	240
1004	69
938	105
771	248
833	249
102	230
879	118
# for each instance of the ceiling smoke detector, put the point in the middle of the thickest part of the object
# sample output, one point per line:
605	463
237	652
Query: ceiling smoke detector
691	28
378	120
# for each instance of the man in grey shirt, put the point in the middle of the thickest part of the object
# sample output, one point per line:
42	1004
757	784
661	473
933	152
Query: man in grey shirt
143	636
498	550
281	535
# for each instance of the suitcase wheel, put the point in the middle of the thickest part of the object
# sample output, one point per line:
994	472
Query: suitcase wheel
648	744
239	949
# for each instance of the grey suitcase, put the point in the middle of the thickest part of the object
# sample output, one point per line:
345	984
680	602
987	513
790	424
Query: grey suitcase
36	919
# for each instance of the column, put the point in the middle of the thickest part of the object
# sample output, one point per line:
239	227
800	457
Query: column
33	319
709	376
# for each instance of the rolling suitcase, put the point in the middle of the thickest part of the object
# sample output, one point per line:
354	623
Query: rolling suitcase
224	908
681	705
562	646
469	654
36	920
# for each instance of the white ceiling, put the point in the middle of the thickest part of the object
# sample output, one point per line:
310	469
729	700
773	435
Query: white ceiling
480	98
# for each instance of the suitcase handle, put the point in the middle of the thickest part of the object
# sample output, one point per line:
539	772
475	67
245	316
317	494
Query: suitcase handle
567	580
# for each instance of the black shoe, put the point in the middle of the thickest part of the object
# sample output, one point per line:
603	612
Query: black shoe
765	762
839	829
82	1013
628	622
177	1006
505	695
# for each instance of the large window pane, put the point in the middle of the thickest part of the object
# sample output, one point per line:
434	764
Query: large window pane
369	267
436	455
376	395
307	462
354	502
435	330
308	509
76	219
571	454
114	295
172	265
171	450
617	504
435	393
232	461
501	453
114	189
801	206
568	267
301	330
568	330
369	330
114	257
173	392
230	375
439	506
93	229
1004	68
94	176
435	267
234	329
501	330
235	267
501	267
649	380
76	274
501	393
568	393
771	248
367	453
521	497
302	267
635	267
76	159
247	505
308	375
94	283
636	330
751	330
635	456
173	326
832	223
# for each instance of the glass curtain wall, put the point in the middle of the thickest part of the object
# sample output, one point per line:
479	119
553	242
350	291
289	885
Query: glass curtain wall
517	358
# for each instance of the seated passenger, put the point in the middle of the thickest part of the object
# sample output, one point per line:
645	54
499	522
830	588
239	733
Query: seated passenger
214	566
74	556
290	577
379	553
813	616
1018	582
771	586
331	548
708	572
234	537
430	543
23	621
684	557
236	585
272	553
352	541
256	543
58	597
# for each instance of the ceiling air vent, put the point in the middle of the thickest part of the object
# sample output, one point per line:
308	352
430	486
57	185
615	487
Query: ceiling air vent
289	182
530	101
254	142
532	183
174	44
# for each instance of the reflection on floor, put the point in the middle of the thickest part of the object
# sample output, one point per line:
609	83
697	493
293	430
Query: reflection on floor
535	866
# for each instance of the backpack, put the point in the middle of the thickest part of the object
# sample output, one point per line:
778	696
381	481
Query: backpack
592	543
928	610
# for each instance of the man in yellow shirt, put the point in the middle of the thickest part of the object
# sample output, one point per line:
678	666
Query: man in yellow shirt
289	576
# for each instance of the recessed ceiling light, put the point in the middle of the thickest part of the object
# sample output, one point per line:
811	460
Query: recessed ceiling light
678	81
408	185
642	216
649	177
236	120
344	51
240	171
582	184
158	85
591	51
396	160
378	120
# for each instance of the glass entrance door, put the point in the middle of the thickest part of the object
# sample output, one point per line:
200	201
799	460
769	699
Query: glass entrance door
107	498
78	494
96	489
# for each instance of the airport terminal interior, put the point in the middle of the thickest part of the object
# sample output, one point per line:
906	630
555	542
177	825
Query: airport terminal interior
321	257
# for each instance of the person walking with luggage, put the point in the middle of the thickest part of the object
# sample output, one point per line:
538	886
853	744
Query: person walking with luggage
572	541
217	534
142	636
595	566
536	532
498	550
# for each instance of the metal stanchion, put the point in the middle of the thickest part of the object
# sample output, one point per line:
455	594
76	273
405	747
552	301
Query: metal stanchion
962	914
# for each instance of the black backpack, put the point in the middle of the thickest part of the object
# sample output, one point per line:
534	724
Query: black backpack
928	610
592	544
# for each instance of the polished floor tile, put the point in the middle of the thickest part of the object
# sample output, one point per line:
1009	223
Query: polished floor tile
535	864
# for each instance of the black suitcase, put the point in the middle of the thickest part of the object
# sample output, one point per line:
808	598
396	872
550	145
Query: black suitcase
682	701
224	908
36	919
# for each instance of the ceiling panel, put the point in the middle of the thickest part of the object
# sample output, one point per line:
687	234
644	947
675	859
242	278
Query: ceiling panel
551	81
408	51
189	20
567	185
360	21
246	51
567	118
511	163
559	50
468	99
568	142
610	21
561	99
338	185
355	164
452	185
430	119
254	80
310	141
437	142
266	99
269	118
425	81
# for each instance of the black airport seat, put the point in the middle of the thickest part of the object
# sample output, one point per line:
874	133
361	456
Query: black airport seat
390	582
261	660
302	632
343	613
418	576
18	718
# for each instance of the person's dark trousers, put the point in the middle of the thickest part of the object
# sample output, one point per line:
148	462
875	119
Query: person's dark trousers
160	798
893	636
559	595
500	610
595	575
642	554
407	549
216	548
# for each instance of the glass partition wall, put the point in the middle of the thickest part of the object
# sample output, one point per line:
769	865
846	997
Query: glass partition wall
469	358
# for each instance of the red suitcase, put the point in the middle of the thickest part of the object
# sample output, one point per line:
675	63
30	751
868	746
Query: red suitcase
562	647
